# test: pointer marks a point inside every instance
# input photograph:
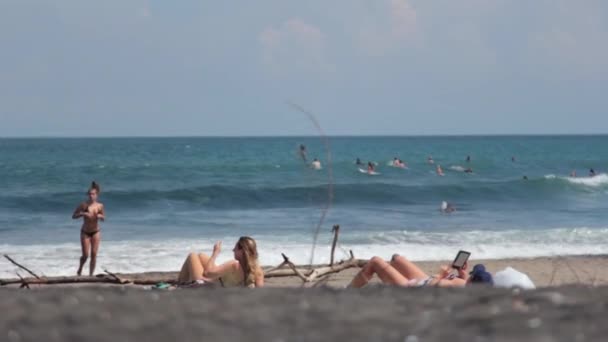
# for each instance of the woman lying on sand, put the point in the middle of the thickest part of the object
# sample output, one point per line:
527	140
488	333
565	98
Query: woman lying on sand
243	271
402	272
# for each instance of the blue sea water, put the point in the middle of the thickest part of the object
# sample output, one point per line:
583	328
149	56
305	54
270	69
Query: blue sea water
165	197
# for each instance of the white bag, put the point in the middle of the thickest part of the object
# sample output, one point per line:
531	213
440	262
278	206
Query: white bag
510	277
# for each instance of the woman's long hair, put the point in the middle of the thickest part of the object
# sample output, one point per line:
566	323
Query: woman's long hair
250	265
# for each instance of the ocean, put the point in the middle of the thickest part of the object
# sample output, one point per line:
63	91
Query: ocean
165	197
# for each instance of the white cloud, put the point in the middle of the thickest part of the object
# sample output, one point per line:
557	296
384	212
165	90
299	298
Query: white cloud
294	45
396	27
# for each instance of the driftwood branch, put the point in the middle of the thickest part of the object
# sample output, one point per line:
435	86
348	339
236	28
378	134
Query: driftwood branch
24	283
275	269
21	266
336	231
88	280
313	274
117	278
322	271
293	268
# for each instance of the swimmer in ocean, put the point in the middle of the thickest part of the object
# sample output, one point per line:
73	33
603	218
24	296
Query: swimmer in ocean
402	164
395	161
439	170
447	207
316	164
468	170
358	162
303	152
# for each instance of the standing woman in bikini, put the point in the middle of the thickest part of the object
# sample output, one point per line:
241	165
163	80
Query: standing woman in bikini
90	236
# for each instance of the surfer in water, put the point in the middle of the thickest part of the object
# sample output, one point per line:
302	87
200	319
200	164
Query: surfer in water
468	159
358	162
370	168
397	163
302	152
402	164
92	212
430	160
316	164
440	171
468	170
447	207
592	173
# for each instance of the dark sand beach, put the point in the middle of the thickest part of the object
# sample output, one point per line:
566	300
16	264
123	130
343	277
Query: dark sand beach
571	305
372	314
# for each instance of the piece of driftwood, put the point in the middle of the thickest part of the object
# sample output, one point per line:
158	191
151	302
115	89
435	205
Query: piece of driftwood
288	272
103	279
117	278
336	231
21	266
294	268
24	284
313	274
323	271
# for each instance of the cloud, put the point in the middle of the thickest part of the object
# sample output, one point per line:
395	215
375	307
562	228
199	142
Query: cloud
395	27
294	46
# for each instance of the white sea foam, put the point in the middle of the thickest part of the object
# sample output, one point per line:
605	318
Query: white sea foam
596	181
599	180
168	255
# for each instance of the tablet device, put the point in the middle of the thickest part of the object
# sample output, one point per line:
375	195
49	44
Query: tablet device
461	259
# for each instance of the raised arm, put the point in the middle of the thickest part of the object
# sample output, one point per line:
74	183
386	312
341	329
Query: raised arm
462	272
215	271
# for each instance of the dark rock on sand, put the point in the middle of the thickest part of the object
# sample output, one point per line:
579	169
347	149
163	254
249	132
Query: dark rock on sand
372	314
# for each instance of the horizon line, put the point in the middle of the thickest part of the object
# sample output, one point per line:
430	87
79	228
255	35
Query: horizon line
305	136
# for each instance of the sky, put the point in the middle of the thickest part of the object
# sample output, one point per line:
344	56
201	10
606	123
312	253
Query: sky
362	67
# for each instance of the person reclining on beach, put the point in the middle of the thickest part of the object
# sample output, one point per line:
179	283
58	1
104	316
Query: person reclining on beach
402	272
244	270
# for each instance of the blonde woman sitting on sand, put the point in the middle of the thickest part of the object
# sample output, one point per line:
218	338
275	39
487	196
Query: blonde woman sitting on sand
243	271
402	272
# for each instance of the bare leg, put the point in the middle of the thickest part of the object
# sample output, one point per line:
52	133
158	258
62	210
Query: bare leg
386	273
85	244
192	269
204	258
407	268
95	240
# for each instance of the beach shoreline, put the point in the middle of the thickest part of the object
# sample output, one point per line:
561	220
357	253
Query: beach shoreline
586	270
